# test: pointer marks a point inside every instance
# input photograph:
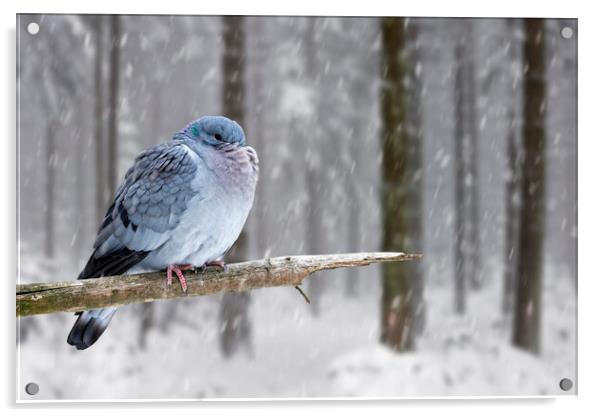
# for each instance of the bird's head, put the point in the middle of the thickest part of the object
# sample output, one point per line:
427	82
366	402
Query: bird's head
214	131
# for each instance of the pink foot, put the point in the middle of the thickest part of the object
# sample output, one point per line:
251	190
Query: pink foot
178	270
219	264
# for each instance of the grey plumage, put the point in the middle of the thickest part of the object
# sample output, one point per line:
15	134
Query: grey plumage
150	200
182	202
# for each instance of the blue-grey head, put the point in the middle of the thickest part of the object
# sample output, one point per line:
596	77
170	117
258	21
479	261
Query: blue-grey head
214	131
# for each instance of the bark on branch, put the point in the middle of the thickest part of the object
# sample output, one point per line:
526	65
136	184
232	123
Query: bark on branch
44	298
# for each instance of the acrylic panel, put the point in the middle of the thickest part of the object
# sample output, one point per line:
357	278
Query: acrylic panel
451	138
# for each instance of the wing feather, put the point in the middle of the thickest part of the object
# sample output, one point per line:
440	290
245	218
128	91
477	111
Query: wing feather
146	208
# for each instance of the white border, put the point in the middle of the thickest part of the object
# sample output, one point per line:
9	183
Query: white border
589	347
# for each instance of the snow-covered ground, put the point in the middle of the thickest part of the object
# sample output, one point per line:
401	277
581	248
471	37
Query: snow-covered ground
467	356
296	354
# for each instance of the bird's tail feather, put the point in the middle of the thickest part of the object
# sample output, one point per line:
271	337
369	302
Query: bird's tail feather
89	326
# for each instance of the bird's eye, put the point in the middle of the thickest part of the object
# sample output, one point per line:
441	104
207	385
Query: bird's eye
217	136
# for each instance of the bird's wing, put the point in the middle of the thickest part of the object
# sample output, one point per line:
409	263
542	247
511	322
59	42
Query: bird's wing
148	205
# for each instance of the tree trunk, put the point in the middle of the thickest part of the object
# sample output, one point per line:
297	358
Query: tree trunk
512	183
51	156
353	214
112	157
146	323
101	193
460	257
527	309
313	211
361	96
313	231
472	184
414	149
234	320
79	191
399	210
511	221
261	56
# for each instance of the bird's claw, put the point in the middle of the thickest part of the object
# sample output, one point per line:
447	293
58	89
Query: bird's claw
221	265
178	270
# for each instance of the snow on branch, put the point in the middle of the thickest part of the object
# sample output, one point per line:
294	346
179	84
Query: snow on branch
45	298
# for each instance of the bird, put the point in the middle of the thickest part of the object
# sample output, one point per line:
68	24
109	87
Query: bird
181	205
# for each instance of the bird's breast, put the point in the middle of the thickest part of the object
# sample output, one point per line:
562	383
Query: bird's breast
236	169
217	214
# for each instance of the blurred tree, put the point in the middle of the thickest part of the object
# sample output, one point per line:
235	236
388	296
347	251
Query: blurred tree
467	245
527	308
460	145
353	40
472	147
56	85
353	215
101	193
401	220
114	73
51	108
414	87
512	181
51	156
147	321
511	219
353	207
259	87
234	320
313	226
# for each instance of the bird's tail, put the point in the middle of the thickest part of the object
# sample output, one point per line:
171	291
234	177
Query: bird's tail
89	326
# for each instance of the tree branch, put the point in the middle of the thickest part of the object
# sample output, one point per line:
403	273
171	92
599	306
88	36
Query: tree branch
44	298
